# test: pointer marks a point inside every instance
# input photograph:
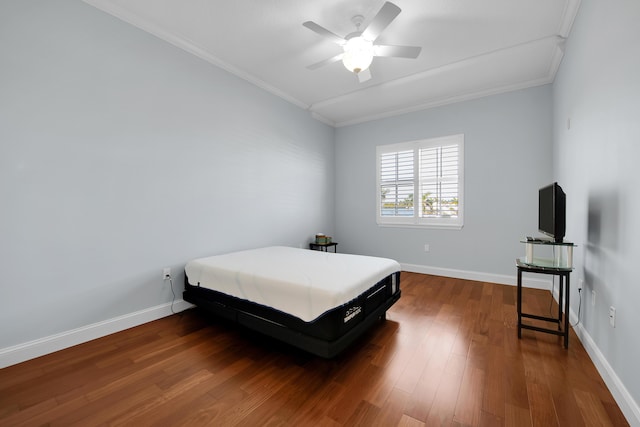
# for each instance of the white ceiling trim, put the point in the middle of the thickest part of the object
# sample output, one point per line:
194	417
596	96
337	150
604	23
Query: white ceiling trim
425	73
568	15
185	44
323	119
556	60
447	101
554	64
374	101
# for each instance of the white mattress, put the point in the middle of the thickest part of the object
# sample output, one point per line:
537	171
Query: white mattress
300	282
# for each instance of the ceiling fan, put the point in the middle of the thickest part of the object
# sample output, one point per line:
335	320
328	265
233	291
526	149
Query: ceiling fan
359	48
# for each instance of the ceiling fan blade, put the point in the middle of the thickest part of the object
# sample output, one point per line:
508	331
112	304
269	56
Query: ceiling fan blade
364	75
325	62
324	32
387	14
396	51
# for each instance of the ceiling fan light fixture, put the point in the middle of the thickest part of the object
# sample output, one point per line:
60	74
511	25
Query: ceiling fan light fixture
358	54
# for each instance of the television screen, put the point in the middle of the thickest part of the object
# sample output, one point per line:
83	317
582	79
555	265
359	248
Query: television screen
552	211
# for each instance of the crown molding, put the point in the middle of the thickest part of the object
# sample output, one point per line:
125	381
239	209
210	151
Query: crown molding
187	45
446	101
568	16
351	96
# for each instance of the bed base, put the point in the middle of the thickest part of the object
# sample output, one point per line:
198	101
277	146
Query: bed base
326	337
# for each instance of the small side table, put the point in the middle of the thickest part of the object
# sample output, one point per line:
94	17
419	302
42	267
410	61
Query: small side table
563	293
323	246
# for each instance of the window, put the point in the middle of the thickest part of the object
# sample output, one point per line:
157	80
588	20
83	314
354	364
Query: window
420	183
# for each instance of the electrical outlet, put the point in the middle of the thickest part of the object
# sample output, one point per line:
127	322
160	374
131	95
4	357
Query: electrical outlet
426	247
593	297
612	316
166	273
580	284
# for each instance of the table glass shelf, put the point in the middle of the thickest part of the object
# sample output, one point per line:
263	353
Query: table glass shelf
542	264
558	254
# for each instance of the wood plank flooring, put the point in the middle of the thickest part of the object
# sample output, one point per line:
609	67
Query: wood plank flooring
447	355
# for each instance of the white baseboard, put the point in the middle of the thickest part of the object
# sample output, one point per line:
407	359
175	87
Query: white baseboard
502	279
621	395
628	406
36	348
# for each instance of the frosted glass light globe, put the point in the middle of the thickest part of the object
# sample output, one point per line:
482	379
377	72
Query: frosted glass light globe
358	54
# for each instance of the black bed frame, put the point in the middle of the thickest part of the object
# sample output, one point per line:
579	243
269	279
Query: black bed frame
326	336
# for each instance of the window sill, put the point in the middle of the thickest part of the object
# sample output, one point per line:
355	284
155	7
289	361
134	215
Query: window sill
427	226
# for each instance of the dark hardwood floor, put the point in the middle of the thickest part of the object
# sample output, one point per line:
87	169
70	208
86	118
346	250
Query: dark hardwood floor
448	354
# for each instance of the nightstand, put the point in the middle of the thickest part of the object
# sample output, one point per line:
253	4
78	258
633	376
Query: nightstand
323	246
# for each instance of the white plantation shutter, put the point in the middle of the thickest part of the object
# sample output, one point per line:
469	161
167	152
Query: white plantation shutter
420	183
396	183
439	181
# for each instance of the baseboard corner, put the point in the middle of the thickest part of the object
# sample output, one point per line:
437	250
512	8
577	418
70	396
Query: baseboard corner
621	395
39	347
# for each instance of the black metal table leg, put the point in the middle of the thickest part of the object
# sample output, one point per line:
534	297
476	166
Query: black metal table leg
562	320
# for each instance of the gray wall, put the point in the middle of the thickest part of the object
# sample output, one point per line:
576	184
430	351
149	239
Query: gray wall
121	154
596	161
507	158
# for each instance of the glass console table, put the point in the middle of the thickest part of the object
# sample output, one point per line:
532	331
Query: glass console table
561	265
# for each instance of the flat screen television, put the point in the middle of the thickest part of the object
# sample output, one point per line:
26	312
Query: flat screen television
552	211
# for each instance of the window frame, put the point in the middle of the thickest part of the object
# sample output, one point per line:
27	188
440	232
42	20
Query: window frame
415	221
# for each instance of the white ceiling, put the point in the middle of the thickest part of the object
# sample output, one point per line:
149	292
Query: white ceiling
470	48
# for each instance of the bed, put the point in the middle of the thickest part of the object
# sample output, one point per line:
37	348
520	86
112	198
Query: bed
320	302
